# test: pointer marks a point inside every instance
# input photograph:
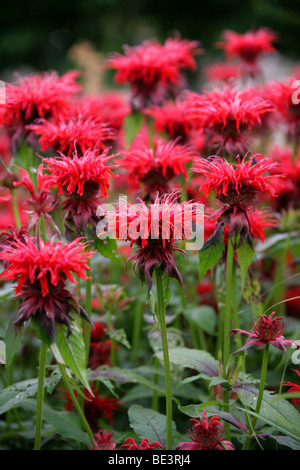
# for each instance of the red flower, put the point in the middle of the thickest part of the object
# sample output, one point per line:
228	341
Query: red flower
227	116
156	167
267	330
42	201
206	434
171	117
222	72
236	185
95	406
154	229
144	445
110	107
249	46
100	346
152	68
236	182
83	181
104	440
72	134
294	388
44	95
41	273
285	96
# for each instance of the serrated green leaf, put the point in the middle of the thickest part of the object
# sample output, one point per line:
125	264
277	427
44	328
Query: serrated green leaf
149	424
119	336
132	124
195	359
2	352
280	414
12	396
108	248
204	316
71	351
245	255
125	376
65	423
13	338
211	252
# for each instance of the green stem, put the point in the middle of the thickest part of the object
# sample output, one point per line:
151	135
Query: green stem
40	395
137	326
263	376
88	309
226	328
164	340
16	211
155	393
78	408
235	317
112	343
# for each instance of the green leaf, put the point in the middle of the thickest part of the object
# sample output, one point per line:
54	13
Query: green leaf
12	396
195	359
280	414
132	124
108	248
2	352
119	336
245	255
12	342
149	424
125	376
211	252
70	351
66	424
203	316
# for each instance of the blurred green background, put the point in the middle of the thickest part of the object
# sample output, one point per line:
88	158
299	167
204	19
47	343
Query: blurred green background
38	34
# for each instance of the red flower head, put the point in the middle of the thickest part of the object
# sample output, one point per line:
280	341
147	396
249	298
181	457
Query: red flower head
285	96
100	346
95	406
172	118
72	133
83	181
144	445
222	72
294	388
35	96
156	167
154	229
152	69
110	107
206	434
287	186
42	201
227	117
104	440
41	273
236	186
248	47
267	330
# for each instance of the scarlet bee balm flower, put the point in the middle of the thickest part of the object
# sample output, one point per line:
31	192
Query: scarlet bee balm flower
206	434
84	181
248	46
130	444
154	230
227	116
44	95
41	273
267	330
152	69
